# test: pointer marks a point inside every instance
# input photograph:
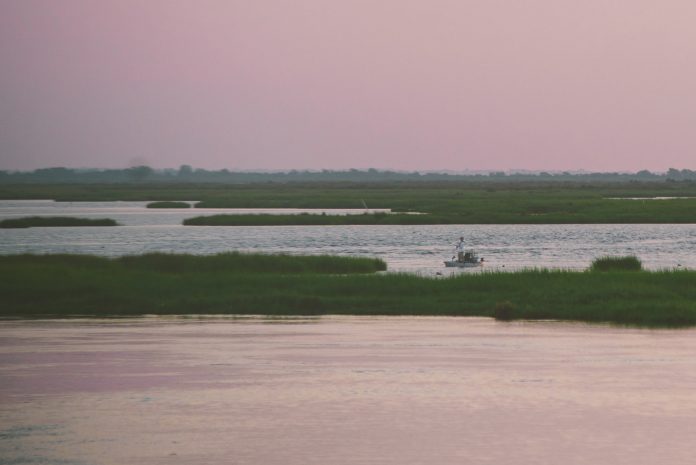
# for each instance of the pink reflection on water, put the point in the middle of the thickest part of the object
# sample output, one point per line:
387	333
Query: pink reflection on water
345	390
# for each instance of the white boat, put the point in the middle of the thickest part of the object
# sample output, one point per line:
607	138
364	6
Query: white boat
469	259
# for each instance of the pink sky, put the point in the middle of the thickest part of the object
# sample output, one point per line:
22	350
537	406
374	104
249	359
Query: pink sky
417	85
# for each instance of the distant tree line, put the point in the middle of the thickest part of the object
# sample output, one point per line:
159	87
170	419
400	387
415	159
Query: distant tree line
188	174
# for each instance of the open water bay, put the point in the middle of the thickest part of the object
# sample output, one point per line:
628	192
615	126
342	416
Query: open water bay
344	390
419	249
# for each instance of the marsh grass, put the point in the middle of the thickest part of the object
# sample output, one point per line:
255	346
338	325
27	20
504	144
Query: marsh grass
252	263
445	202
65	285
609	263
168	204
229	262
306	219
54	221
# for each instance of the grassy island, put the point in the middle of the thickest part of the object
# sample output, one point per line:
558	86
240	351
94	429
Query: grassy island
79	285
306	219
168	204
52	221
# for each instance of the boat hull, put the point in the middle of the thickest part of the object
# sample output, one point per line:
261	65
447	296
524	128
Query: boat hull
456	264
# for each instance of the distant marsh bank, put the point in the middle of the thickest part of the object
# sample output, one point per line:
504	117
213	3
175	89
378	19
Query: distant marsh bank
54	221
444	202
168	204
314	219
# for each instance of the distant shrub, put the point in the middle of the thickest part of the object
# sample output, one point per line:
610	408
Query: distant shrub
168	204
628	263
504	310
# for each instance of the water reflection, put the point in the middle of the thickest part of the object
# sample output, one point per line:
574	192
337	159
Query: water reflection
344	390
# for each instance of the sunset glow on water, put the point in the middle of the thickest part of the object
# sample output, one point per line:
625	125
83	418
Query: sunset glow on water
344	390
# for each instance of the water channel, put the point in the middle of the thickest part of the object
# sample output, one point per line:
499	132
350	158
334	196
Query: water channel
419	249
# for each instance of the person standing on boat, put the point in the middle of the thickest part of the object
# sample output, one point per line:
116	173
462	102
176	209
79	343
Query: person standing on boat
460	250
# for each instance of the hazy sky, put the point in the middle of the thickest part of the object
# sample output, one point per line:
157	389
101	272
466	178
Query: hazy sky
416	85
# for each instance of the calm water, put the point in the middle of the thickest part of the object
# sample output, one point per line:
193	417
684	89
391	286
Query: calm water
344	391
405	248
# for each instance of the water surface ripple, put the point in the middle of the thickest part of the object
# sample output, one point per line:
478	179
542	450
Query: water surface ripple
344	390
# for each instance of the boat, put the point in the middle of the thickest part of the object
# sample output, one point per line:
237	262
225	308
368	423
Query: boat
469	259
